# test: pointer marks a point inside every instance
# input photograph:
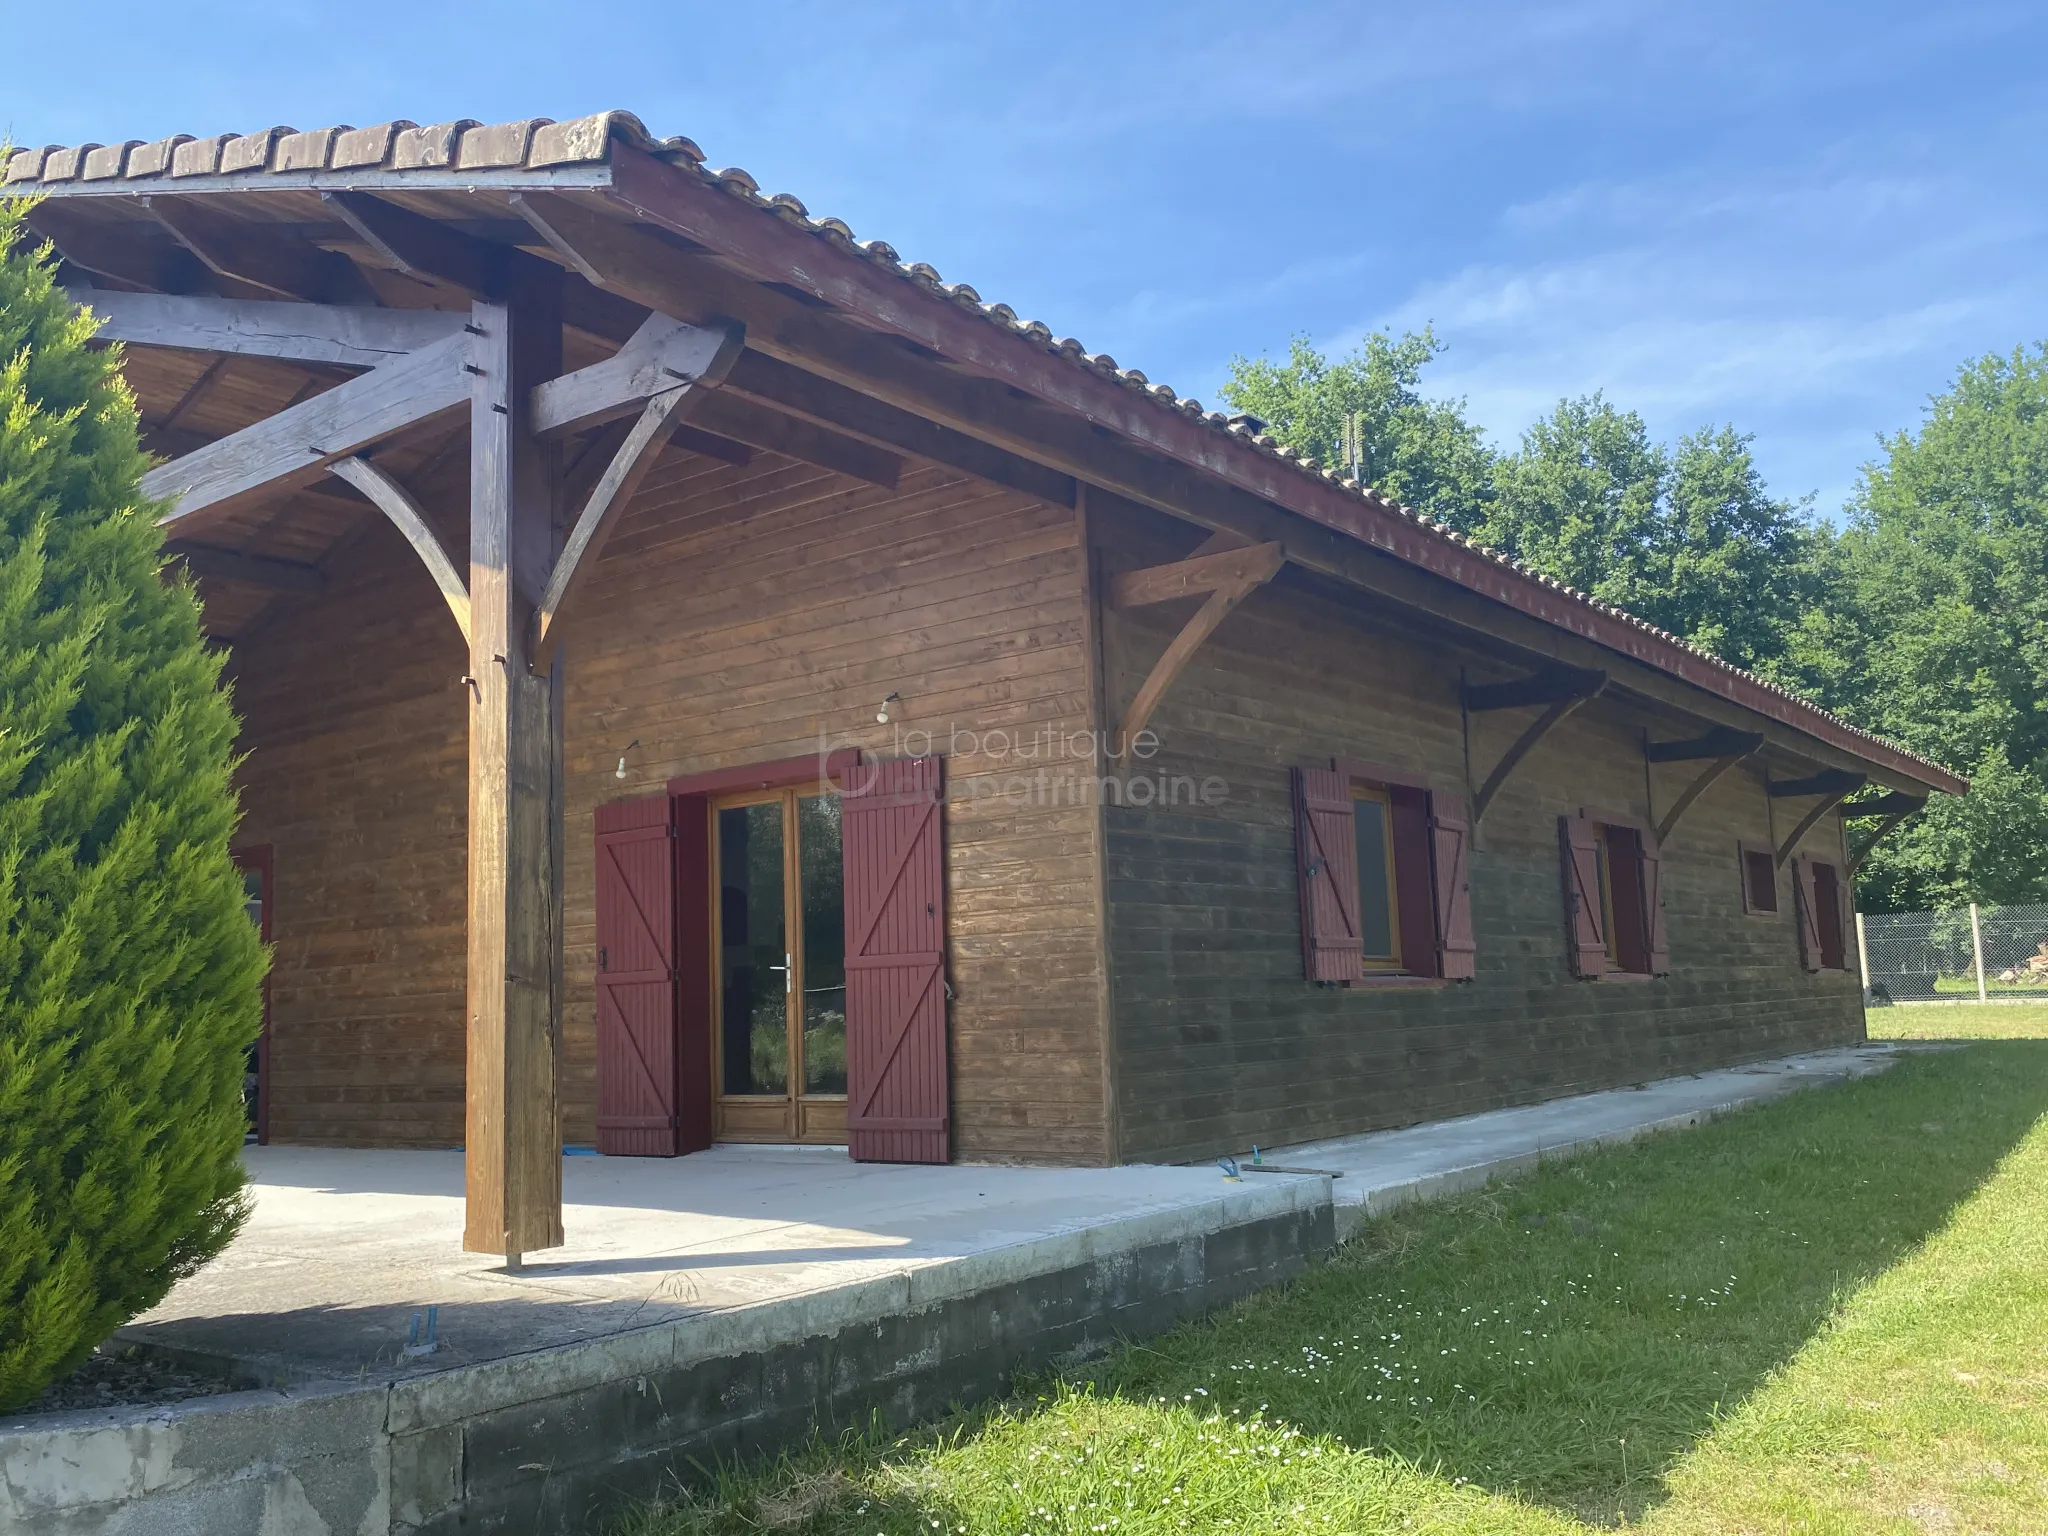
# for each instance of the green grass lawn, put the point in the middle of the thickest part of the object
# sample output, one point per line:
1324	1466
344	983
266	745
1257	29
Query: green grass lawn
1824	1314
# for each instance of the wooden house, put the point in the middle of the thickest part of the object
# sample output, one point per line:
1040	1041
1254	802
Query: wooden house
705	678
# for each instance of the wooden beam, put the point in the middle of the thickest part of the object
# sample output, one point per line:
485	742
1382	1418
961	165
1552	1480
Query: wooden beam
1827	802
512	1138
390	499
245	253
210	563
727	450
1198	574
1896	803
1553	685
1219	540
296	445
1524	744
749	422
1829	781
792	391
350	335
1718	742
1702	782
662	354
143	255
608	500
435	251
1884	830
1224	595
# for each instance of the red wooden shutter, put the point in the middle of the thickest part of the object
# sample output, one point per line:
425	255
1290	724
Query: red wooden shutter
898	1097
1326	855
1653	904
1450	832
1804	903
1578	841
636	979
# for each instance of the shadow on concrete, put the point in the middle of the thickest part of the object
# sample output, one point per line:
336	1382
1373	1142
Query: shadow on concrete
1634	1295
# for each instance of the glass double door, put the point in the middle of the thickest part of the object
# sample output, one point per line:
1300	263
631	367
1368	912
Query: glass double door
780	1055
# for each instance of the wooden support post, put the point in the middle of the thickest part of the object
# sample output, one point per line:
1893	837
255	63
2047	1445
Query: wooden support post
1894	808
513	1156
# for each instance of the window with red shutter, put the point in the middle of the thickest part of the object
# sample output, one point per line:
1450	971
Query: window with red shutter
898	1095
1657	947
1384	888
1759	880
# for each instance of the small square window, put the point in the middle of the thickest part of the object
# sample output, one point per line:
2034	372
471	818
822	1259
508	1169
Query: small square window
1759	880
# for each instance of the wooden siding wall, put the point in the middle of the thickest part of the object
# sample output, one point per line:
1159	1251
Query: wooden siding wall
1219	1041
739	613
356	729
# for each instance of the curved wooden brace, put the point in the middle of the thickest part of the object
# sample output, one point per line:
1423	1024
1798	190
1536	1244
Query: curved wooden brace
1821	807
608	498
1894	808
1700	786
1538	728
406	516
1229	577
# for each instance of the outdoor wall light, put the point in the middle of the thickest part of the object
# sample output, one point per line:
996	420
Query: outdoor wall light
620	772
882	714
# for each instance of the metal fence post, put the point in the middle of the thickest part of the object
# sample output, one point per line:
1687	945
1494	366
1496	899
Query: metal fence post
1862	952
1977	946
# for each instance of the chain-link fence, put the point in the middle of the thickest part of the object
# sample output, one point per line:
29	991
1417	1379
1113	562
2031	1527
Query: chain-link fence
1968	954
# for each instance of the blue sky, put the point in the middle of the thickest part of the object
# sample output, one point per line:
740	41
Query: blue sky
1797	219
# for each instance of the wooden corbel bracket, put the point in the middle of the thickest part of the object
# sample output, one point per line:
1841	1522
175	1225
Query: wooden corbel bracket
1561	689
1722	748
1227	576
391	499
664	369
1894	808
1832	786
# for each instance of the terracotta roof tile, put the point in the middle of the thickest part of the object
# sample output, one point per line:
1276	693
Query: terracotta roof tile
542	144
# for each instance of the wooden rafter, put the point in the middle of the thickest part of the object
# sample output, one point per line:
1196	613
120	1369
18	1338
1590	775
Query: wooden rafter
608	499
208	562
1227	579
747	421
298	443
242	253
1562	689
194	393
349	335
1721	748
391	499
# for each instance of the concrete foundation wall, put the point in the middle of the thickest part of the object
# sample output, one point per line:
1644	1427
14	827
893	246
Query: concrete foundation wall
553	1441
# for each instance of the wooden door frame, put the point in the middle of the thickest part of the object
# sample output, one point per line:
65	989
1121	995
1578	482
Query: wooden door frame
785	795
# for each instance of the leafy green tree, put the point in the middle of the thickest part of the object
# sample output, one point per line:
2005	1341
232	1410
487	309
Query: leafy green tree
1934	632
129	973
1685	537
1421	452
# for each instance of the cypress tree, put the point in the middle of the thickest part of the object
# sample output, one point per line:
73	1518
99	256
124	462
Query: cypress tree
130	975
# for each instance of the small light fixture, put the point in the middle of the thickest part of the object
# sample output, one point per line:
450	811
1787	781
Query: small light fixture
882	714
620	771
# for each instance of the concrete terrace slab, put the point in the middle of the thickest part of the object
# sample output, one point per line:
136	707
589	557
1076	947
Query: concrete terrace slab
1423	1162
345	1246
727	1304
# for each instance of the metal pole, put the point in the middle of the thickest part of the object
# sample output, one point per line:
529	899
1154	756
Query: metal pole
1977	945
1862	952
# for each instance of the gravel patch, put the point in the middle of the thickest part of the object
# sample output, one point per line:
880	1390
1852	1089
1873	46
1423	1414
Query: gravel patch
124	1378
